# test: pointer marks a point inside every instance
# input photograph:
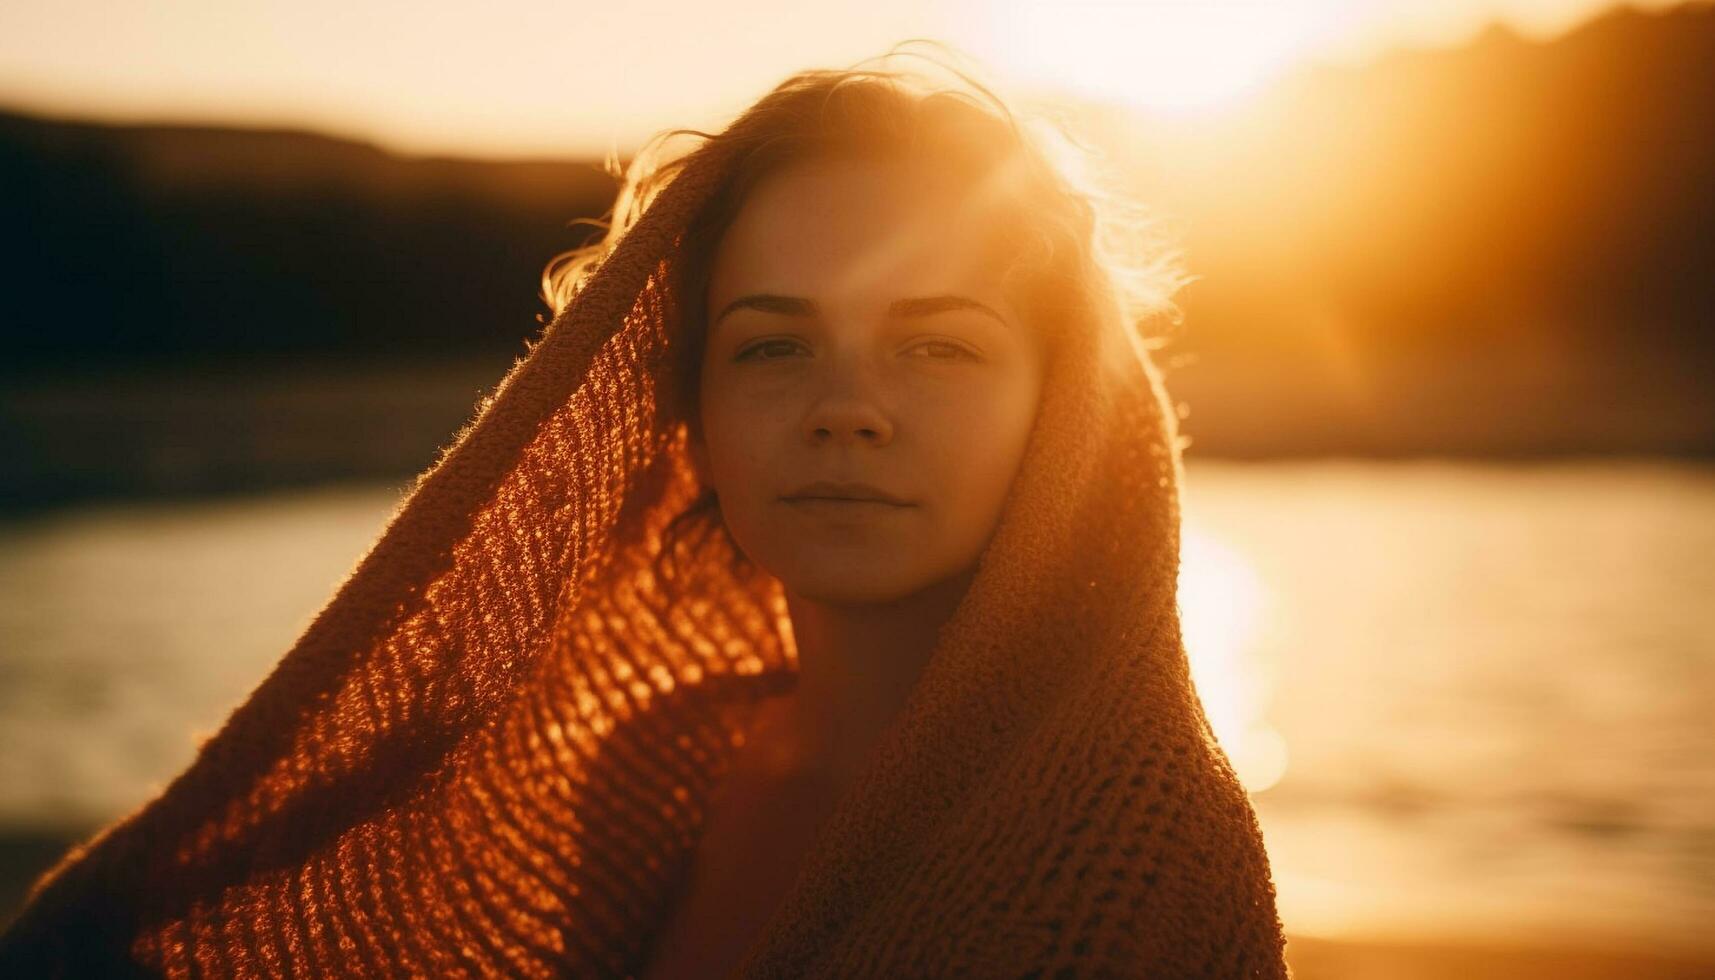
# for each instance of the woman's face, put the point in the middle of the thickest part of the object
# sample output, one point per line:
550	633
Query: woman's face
858	333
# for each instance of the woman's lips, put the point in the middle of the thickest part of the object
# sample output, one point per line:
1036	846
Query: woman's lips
846	490
837	505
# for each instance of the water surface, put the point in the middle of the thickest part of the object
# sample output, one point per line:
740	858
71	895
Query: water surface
1471	700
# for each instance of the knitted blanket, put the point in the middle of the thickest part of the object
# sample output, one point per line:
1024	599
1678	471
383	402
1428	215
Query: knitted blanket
489	754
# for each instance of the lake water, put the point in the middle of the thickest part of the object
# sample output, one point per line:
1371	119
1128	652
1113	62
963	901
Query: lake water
1471	700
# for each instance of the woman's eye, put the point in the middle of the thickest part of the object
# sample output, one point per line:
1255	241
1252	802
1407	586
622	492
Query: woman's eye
774	350
753	352
951	351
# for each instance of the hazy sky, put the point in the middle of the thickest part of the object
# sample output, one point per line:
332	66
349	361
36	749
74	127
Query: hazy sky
509	77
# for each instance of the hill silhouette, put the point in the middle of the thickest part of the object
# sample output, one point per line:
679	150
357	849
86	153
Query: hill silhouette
167	244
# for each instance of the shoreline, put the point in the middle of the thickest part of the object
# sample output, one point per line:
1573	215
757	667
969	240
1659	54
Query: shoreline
1317	958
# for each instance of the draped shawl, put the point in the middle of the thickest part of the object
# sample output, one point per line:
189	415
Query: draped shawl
489	754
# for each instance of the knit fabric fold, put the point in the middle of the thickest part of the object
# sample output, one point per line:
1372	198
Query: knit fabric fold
491	751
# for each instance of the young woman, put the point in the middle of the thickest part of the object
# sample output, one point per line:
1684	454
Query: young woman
802	605
867	390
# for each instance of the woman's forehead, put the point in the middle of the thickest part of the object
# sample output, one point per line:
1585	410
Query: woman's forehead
858	225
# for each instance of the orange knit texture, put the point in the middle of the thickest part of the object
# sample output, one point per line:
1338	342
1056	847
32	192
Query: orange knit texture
490	753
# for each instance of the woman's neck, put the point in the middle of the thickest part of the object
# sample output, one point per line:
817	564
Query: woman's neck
856	667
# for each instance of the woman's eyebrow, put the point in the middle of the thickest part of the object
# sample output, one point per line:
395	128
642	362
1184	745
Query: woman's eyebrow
931	305
904	308
769	303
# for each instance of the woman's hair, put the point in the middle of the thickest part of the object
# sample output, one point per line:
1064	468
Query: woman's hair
1079	253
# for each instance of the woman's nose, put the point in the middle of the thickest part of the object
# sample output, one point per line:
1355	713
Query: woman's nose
849	410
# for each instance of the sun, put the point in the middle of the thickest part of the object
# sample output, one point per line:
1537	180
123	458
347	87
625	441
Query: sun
1169	57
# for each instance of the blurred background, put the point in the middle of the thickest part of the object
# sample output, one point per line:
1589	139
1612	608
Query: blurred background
1446	369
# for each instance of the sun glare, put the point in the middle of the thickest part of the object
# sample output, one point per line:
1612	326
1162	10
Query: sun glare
1167	57
1222	604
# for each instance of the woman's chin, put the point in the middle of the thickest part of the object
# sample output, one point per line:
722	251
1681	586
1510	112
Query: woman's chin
852	584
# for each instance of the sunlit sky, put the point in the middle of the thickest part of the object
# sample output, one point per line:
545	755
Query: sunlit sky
515	77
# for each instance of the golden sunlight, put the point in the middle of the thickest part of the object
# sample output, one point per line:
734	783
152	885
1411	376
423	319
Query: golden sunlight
1164	56
1222	605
